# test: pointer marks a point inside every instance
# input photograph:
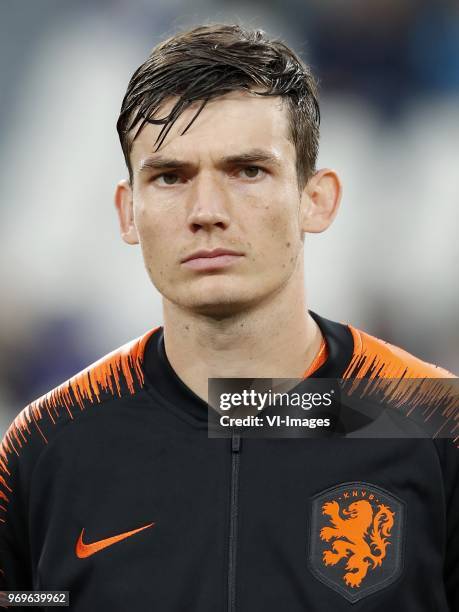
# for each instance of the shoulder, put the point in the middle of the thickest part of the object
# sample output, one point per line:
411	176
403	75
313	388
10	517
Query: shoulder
115	375
377	358
417	395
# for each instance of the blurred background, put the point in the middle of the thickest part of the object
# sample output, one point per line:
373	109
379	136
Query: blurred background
389	79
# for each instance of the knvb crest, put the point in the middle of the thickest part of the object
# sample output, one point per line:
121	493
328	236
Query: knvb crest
356	538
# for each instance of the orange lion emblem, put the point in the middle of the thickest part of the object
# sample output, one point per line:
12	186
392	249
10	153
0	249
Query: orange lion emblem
361	538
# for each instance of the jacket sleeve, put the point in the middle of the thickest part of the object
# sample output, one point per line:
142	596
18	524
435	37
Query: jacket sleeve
16	464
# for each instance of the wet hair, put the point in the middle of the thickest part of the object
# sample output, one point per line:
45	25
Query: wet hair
209	61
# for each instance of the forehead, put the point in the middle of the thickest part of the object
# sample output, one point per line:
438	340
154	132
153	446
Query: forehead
230	123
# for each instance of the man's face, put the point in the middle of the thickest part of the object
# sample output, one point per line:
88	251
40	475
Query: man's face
228	183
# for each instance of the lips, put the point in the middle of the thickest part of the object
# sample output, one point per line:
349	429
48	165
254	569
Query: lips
211	260
210	254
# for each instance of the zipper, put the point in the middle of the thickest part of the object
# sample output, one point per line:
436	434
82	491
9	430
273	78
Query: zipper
235	460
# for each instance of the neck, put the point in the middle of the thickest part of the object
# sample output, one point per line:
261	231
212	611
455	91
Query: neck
275	339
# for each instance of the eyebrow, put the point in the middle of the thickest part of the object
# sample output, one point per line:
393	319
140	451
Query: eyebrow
161	162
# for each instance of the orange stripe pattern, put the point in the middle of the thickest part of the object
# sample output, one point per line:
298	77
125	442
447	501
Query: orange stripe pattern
382	366
105	379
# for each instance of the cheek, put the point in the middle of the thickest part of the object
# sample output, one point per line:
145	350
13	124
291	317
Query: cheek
281	242
155	229
280	224
156	244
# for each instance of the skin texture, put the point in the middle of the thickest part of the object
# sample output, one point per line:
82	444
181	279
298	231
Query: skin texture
225	322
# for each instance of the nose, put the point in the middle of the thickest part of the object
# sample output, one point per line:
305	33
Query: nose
208	204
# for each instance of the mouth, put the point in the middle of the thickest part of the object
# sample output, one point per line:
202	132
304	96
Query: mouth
211	260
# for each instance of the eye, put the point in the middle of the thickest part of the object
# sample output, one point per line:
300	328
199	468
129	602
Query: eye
252	171
167	178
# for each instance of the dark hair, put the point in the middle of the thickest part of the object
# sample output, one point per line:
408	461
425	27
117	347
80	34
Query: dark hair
209	61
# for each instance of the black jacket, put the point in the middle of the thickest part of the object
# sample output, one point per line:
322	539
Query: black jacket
111	489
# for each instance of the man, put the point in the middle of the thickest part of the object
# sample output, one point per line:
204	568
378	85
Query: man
110	485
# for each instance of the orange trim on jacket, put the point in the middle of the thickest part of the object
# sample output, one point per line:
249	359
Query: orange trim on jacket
83	389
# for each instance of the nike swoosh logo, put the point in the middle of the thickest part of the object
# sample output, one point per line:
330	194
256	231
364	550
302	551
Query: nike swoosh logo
83	550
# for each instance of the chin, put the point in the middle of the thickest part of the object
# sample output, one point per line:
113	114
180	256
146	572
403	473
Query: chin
219	298
219	310
217	304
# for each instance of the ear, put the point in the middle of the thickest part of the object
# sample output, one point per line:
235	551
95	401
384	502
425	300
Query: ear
124	207
320	201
